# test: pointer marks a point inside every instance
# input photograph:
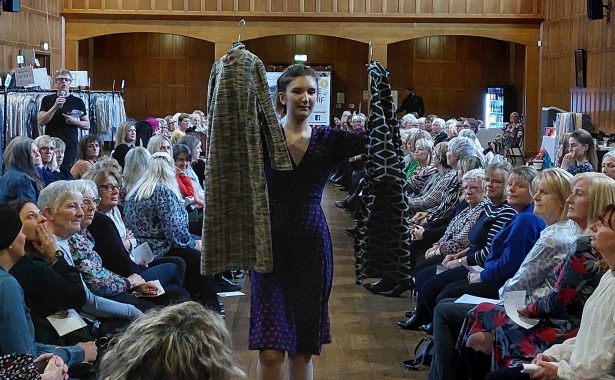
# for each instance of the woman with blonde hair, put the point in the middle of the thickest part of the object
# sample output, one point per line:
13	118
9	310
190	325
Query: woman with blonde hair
155	213
159	143
124	141
136	163
46	148
558	304
61	172
183	341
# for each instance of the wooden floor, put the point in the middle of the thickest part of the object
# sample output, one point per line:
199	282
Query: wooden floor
367	344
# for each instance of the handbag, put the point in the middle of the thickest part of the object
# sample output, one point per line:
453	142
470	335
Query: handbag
423	353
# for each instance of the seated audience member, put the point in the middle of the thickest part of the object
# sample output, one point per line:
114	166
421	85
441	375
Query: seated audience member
49	284
196	169
134	167
20	178
61	172
581	156
591	192
423	149
108	284
112	240
437	130
62	205
22	366
46	148
124	141
557	299
182	157
159	143
450	128
410	163
155	213
16	330
588	355
358	122
608	164
87	154
183	341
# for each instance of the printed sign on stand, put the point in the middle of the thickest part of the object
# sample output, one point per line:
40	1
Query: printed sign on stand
24	76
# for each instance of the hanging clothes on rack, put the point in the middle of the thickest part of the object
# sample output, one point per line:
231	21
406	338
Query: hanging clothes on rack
382	248
236	227
21	111
107	113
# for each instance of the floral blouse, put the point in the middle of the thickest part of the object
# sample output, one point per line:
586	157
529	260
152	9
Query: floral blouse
583	167
455	238
98	279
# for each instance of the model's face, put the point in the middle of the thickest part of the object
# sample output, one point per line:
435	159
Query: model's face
577	148
35	155
31	217
579	201
109	192
608	166
47	151
131	135
518	192
547	205
92	150
299	97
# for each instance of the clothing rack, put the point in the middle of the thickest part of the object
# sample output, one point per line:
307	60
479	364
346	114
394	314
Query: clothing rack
87	95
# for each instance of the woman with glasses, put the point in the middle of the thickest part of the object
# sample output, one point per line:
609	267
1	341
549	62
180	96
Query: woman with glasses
89	150
105	283
46	148
112	240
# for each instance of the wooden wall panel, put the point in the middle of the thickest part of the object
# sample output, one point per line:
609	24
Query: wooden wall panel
451	73
565	29
345	57
284	8
164	73
27	29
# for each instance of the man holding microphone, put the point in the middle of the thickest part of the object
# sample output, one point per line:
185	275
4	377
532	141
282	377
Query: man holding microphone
62	114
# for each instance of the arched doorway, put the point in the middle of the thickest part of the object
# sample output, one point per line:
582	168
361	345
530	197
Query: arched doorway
451	73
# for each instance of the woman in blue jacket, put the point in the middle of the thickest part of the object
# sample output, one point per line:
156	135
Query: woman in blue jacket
20	179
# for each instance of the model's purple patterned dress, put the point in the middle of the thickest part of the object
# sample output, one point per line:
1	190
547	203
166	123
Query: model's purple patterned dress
289	309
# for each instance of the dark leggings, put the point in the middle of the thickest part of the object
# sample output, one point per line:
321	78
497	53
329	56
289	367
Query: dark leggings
200	287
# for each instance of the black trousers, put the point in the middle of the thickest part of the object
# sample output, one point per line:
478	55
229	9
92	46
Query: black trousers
200	287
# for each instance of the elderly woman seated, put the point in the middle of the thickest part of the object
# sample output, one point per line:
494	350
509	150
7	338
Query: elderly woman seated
105	283
155	213
63	206
16	331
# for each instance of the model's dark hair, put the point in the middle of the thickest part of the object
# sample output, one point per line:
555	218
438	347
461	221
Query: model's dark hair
292	72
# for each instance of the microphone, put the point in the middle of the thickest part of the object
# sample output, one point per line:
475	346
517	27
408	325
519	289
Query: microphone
62	94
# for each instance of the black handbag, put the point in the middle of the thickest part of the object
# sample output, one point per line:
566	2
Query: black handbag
423	353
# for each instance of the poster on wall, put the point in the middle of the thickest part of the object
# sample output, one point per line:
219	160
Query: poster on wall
321	114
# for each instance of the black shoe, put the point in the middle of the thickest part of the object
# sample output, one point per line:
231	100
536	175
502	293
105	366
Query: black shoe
380	286
428	328
240	273
226	285
341	204
233	274
399	289
352	232
411	323
409	313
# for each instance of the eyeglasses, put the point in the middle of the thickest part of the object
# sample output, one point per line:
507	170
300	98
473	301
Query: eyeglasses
110	187
493	181
91	202
63	80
